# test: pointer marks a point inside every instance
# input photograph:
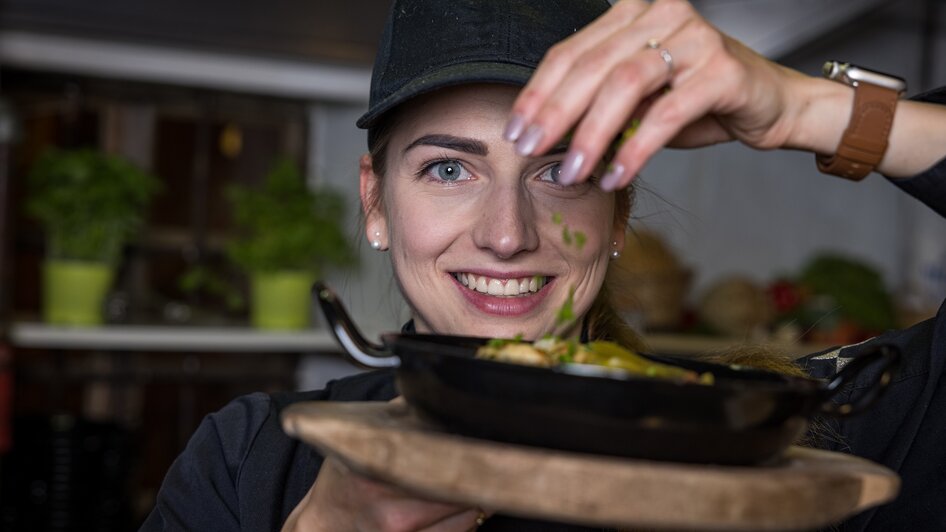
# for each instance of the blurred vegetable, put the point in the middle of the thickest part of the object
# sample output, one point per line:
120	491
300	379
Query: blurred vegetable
856	289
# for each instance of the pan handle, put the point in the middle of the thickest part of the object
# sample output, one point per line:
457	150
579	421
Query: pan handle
359	350
889	358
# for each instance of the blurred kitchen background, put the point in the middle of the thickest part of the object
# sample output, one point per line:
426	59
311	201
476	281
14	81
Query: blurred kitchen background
195	129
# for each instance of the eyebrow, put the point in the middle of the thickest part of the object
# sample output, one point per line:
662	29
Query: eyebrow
450	142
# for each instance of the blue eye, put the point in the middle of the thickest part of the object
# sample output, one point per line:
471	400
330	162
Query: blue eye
551	173
447	170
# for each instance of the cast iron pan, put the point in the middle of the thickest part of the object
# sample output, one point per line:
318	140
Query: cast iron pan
746	417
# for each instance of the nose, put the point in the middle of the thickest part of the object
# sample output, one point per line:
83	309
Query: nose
507	224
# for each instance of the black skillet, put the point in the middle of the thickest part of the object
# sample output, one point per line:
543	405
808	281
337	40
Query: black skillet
746	417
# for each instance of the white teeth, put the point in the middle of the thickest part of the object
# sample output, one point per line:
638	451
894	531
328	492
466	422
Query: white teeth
512	288
481	285
495	288
501	287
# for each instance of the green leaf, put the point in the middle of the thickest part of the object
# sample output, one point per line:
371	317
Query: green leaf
566	236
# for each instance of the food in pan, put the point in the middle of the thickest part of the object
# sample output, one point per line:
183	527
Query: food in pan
550	352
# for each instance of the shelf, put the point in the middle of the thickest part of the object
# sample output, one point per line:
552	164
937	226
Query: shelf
246	339
170	338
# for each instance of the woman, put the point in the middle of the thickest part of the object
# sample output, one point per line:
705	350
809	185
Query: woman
466	185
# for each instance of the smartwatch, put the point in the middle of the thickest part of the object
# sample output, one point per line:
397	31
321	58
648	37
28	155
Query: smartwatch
865	139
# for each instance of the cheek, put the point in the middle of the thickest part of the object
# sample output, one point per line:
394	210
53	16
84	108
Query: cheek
593	218
420	229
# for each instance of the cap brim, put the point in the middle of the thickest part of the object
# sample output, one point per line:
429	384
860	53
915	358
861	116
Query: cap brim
452	75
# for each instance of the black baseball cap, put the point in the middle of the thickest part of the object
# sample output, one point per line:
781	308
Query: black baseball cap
431	44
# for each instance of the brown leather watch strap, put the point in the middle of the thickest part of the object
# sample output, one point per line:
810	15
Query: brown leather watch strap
865	139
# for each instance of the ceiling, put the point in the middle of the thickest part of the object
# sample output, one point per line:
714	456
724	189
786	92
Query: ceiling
299	48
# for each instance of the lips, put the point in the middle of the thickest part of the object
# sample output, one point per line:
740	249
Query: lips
507	296
493	286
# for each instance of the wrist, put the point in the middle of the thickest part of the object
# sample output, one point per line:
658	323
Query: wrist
822	112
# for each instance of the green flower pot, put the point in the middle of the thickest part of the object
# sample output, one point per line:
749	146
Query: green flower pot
281	300
74	292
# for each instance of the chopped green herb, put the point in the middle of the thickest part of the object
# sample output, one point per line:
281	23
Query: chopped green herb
580	239
572	349
557	218
567	312
497	343
566	235
565	359
627	133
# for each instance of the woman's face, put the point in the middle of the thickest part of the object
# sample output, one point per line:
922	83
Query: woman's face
475	230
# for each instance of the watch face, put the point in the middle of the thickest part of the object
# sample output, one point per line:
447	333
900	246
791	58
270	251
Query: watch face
853	75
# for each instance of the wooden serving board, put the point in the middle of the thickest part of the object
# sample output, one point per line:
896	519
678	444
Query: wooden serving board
807	489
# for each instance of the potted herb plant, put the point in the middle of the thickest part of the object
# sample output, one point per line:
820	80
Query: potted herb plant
90	204
288	235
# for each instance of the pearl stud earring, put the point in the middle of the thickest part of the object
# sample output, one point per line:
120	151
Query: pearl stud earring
614	252
376	243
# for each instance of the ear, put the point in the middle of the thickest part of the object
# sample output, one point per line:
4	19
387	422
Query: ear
371	206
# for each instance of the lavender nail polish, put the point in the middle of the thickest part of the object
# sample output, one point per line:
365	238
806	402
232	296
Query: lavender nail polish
514	128
613	176
571	165
529	140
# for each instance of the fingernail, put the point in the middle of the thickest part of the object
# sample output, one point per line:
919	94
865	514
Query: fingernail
514	128
613	176
529	140
571	165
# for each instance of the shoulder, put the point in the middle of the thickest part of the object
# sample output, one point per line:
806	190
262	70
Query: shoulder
921	348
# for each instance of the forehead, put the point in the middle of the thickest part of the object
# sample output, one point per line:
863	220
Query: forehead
457	108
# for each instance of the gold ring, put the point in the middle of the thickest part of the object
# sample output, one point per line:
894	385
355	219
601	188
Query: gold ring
480	519
653	43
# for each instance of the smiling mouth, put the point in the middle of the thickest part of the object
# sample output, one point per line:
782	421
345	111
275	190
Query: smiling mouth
522	286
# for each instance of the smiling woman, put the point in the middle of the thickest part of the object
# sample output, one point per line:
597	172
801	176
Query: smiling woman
469	221
494	181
